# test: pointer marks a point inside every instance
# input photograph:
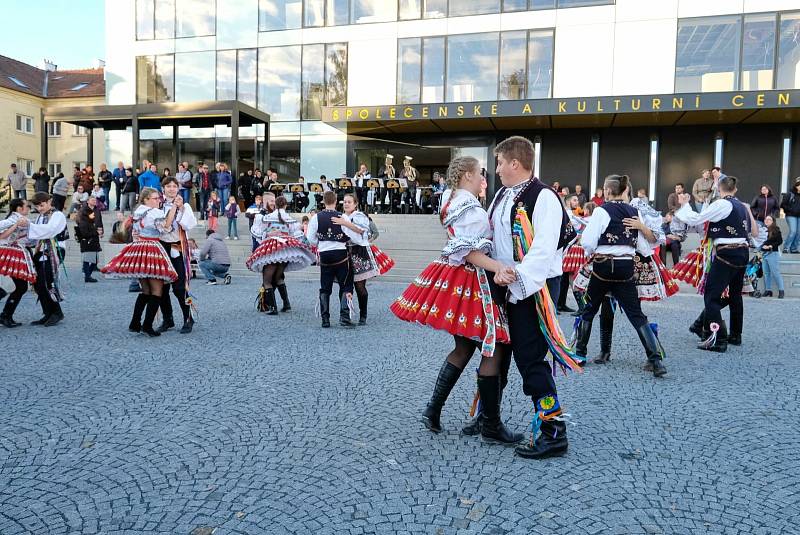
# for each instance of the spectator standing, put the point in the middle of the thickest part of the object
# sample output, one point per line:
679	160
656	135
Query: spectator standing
41	181
252	211
150	178
257	185
232	212
60	189
580	195
105	178
184	177
702	189
212	210
88	231
118	175
791	209
87	178
564	193
243	188
130	190
557	186
772	257
215	260
672	199
18	181
599	197
764	204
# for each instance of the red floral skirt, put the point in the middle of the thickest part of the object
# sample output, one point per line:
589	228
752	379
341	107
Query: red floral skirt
143	259
690	268
296	253
574	259
15	262
385	263
448	298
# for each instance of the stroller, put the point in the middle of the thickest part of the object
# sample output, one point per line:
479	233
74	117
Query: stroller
752	273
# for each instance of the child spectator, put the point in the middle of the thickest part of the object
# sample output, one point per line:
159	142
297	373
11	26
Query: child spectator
232	212
212	210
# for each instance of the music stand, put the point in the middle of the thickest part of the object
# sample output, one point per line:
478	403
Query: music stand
392	184
297	188
345	183
316	187
277	188
373	183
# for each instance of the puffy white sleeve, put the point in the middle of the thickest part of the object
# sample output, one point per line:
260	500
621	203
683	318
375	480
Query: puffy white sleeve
362	222
7	223
259	227
469	234
186	218
591	234
311	231
51	229
532	272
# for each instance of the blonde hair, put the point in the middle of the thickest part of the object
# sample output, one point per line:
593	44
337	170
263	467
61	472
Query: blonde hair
588	208
458	168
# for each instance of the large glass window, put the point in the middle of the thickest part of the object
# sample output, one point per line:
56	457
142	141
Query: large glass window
195	18
155	79
336	74
540	64
279	82
542	4
409	9
195	79
512	65
434	9
708	54
758	52
582	3
313	81
515	5
789	52
165	19
246	76
314	13
474	7
145	19
433	69
408	70
279	14
472	67
337	12
372	11
226	75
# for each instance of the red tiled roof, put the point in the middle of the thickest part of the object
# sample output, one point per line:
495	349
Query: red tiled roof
52	84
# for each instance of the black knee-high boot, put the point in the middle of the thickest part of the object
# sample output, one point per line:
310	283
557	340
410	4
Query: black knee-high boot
344	312
473	427
284	297
652	347
492	428
697	325
7	317
135	325
325	308
363	300
272	306
446	380
606	333
584	331
153	302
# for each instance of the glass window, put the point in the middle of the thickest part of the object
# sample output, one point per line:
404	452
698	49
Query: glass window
194	80
53	168
165	19
336	74
145	19
472	67
515	5
512	65
408	70
474	7
155	79
313	86
433	69
314	13
373	11
279	15
540	64
434	9
165	78
337	12
582	3
279	82
54	129
246	76
543	4
708	54
226	75
195	18
789	52
410	9
758	52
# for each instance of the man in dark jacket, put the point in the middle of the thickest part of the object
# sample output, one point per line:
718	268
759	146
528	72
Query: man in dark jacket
105	178
205	184
119	182
41	181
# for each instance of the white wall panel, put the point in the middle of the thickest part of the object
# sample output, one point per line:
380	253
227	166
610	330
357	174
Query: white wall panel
195	44
120	70
644	57
585	15
372	72
632	10
754	6
584	60
704	8
283	38
528	20
420	28
473	24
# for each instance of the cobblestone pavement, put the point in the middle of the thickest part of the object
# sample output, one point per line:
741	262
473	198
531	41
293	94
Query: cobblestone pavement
257	424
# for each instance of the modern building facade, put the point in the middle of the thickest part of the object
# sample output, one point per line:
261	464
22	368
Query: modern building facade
657	89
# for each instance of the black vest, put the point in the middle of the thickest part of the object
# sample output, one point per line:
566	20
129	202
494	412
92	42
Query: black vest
527	198
733	226
616	233
327	230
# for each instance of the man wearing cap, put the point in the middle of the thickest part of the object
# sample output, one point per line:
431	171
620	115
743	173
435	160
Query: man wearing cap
410	174
48	228
18	181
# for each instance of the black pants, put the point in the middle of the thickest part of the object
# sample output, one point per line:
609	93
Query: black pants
20	287
335	266
178	288
674	248
614	277
727	271
59	201
44	283
563	290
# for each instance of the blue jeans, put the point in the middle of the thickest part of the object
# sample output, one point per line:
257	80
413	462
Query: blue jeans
772	270
224	193
233	232
185	194
792	242
204	195
212	270
107	199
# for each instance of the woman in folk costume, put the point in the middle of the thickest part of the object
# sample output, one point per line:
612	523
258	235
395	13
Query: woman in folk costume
453	294
613	236
363	260
282	248
15	260
574	257
146	259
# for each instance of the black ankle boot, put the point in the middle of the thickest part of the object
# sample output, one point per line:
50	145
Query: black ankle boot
583	332
735	339
272	306
284	298
344	312
362	308
653	350
325	309
153	302
493	430
552	442
7	317
188	325
135	326
720	344
446	380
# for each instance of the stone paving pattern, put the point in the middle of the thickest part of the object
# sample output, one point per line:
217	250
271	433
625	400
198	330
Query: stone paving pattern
257	424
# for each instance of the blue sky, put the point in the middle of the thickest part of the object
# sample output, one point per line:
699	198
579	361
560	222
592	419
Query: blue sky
71	33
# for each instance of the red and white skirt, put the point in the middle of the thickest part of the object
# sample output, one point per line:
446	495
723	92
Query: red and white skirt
574	259
16	262
690	268
449	298
145	258
294	252
385	263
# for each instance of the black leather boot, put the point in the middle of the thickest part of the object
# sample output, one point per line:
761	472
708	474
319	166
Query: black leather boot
735	339
188	325
551	442
583	332
606	335
135	326
153	302
363	300
652	347
272	305
720	345
579	300
473	427
325	308
284	298
344	312
445	381
7	317
697	326
493	430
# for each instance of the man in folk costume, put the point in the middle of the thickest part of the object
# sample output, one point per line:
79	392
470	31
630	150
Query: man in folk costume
532	281
727	232
49	225
15	260
175	243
